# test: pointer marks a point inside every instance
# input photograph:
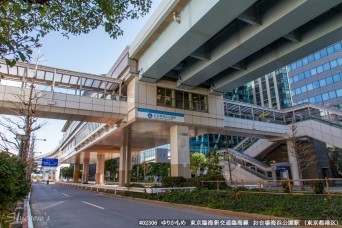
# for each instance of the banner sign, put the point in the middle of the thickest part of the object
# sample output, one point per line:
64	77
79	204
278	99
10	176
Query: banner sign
160	115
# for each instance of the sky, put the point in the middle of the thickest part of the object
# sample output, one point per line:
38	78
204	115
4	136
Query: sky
92	53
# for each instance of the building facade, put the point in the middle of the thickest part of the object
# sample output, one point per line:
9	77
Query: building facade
271	91
317	78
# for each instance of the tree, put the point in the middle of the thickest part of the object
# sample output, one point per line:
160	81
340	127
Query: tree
335	159
146	168
160	169
67	172
112	166
24	22
26	110
300	149
13	183
198	162
214	167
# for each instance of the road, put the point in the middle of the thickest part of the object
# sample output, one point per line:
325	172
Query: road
59	206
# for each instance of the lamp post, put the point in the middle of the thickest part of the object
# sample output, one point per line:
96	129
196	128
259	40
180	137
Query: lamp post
22	138
31	155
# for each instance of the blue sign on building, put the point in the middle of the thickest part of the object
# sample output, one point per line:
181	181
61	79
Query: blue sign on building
50	162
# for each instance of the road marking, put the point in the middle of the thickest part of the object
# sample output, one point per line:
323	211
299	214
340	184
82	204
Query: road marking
66	194
52	205
55	190
92	205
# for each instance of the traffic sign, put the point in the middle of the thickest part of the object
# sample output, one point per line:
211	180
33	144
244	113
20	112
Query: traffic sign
50	162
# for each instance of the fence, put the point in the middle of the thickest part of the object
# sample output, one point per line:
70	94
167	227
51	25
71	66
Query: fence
327	185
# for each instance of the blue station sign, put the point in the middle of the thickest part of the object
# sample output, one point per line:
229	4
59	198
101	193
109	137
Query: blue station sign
49	162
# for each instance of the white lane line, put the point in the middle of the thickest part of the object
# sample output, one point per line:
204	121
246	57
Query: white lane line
52	205
92	205
55	190
65	194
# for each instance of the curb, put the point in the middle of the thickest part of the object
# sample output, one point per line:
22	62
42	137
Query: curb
29	215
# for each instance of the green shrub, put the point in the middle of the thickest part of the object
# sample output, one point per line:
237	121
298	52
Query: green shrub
317	187
304	207
174	182
200	182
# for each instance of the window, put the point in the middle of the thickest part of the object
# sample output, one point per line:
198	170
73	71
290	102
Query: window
303	88
312	99
305	61
323	53
298	91
318	98
322	82
339	61
332	94
317	56
319	69
339	92
301	76
315	84
309	87
168	97
311	58
187	101
299	63
295	78
326	66
330	50
337	46
313	71
336	78
333	64
181	100
325	96
329	80
307	74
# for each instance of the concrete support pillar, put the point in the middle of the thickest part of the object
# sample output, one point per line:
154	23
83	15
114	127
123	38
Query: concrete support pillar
76	172
125	164
99	176
180	151
85	172
293	161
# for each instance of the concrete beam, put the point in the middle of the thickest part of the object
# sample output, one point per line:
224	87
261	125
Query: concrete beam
247	40
200	20
314	37
251	15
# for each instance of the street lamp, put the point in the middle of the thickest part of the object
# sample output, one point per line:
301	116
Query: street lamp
21	138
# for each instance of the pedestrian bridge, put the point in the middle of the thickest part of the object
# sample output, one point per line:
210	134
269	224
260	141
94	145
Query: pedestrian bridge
316	121
62	94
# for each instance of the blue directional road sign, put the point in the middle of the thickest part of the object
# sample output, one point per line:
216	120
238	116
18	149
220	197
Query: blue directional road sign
50	162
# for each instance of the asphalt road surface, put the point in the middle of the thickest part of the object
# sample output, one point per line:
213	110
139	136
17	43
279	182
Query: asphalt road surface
59	206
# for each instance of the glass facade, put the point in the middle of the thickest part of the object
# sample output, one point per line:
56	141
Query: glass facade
149	155
204	144
317	78
316	56
182	100
271	90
